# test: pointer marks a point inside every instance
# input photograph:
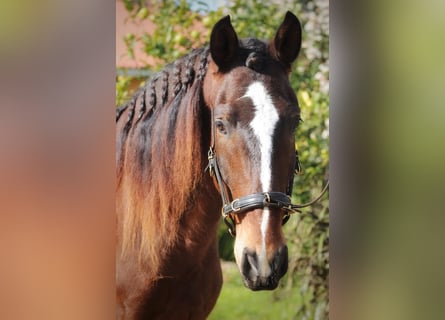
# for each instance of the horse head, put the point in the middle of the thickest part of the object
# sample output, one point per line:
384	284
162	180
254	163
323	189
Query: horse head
254	114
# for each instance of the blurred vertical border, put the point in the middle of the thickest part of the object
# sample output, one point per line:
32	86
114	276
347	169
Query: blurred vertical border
387	160
57	89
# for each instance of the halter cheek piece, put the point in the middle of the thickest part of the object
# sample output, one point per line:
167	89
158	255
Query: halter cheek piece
256	200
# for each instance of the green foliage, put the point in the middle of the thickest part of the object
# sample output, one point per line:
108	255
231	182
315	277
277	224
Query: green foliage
175	33
122	91
307	233
254	18
226	243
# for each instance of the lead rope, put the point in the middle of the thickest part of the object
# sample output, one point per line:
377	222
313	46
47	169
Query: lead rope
313	201
294	208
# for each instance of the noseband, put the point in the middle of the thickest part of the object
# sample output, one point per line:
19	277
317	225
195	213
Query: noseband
253	201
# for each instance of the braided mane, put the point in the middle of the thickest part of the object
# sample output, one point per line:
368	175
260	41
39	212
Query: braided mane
158	134
182	71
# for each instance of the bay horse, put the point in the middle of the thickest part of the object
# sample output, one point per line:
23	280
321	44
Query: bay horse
227	109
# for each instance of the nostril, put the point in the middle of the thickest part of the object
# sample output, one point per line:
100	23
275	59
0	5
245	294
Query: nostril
253	263
250	264
280	263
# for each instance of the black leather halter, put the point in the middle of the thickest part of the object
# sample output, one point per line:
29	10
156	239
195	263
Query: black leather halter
259	200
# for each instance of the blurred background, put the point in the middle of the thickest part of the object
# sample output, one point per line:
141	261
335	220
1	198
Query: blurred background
387	157
150	34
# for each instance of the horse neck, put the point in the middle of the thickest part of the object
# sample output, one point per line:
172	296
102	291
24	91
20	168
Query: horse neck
159	236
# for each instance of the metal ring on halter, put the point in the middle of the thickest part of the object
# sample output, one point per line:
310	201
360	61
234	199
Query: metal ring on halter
286	217
267	197
232	206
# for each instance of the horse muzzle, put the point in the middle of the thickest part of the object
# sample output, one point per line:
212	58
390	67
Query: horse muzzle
261	274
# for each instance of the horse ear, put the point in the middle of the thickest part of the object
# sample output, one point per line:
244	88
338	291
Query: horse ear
287	42
223	43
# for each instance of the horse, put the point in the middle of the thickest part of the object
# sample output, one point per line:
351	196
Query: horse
211	133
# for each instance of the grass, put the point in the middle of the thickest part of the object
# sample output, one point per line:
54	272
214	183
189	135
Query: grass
238	302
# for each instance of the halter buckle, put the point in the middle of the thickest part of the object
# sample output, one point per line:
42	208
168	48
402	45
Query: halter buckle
210	153
210	157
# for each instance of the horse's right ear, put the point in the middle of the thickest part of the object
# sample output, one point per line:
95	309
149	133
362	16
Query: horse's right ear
223	43
287	42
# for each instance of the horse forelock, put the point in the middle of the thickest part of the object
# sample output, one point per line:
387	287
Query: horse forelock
159	157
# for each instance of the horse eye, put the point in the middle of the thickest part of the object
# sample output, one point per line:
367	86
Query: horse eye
221	127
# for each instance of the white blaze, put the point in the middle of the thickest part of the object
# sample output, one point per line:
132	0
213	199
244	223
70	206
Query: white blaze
263	125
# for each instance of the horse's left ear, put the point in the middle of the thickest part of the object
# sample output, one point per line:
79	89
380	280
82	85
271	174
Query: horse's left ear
287	42
223	43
